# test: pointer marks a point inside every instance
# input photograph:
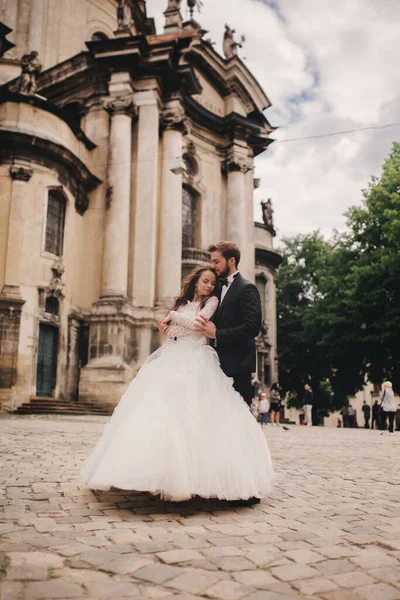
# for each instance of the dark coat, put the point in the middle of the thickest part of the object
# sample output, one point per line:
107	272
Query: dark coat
238	322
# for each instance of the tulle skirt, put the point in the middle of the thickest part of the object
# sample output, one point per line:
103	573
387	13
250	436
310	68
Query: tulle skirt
181	430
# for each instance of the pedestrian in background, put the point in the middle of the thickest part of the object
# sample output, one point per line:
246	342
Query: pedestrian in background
345	416
367	414
351	412
263	408
388	407
275	403
375	415
308	401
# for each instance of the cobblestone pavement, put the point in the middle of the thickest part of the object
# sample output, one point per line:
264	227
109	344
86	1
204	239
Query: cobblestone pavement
330	530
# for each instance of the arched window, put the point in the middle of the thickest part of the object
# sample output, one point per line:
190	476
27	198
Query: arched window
98	36
189	202
55	221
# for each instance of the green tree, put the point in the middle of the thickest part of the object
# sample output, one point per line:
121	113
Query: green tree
339	300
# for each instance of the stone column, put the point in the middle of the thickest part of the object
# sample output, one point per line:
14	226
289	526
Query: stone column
116	246
20	174
170	227
35	34
146	197
236	166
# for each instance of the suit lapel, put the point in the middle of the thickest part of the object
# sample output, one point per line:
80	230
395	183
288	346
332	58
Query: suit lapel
231	289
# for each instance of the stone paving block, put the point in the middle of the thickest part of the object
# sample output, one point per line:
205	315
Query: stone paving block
178	556
11	590
338	551
258	579
304	556
374	559
340	594
232	563
38	559
315	585
333	567
96	557
193	581
353	579
294	571
157	573
381	591
264	595
125	564
228	590
52	590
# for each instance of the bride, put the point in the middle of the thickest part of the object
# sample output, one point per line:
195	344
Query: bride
180	429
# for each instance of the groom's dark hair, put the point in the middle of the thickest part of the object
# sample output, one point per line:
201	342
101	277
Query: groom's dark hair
227	249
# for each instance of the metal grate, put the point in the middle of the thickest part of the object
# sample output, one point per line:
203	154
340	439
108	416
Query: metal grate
52	306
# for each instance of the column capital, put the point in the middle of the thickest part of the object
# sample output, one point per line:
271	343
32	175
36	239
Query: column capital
121	105
20	172
173	117
236	161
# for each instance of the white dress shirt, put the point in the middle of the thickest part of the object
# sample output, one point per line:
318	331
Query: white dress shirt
226	287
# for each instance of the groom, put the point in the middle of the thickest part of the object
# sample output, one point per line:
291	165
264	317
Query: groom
237	320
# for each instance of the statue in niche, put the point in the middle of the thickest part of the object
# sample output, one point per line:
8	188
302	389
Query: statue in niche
229	45
124	15
56	284
30	69
267	213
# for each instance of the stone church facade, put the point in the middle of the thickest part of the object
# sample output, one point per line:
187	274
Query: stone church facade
123	154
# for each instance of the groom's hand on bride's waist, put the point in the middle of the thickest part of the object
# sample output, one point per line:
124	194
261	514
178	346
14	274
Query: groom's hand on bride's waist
205	327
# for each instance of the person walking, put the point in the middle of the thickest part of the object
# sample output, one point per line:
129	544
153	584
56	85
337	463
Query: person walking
375	415
367	413
388	407
263	409
308	401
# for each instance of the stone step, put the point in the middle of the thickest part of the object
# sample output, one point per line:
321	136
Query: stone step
66	407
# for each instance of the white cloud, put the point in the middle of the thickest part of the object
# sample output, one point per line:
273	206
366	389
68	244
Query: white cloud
326	66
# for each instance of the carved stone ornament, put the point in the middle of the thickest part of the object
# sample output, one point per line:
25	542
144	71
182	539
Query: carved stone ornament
235	161
175	118
20	173
30	69
56	284
124	15
229	45
267	213
121	104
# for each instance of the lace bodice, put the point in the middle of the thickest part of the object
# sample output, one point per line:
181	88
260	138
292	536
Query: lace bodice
183	319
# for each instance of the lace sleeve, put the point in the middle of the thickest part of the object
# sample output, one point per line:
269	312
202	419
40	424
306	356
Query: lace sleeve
179	318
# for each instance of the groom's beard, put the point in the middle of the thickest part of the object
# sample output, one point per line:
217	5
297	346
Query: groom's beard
224	274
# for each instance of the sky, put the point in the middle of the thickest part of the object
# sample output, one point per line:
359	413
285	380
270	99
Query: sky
326	66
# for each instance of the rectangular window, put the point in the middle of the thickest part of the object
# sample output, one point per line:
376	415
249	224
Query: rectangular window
55	223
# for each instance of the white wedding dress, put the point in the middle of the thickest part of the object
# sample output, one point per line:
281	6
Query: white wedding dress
180	429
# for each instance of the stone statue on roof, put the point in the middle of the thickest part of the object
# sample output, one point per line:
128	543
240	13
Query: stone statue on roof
30	69
124	15
230	46
267	213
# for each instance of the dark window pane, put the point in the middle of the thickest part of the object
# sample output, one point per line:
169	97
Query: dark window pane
52	306
55	223
188	219
262	289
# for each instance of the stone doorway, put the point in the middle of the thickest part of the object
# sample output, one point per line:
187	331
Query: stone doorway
46	371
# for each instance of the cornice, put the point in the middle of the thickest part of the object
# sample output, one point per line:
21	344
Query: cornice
72	172
9	96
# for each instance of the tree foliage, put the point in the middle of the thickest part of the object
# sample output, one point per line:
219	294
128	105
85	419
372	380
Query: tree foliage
339	300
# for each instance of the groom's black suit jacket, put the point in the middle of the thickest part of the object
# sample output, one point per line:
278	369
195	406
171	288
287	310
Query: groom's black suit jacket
238	321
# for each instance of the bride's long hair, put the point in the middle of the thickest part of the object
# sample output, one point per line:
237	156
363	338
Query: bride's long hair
189	287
